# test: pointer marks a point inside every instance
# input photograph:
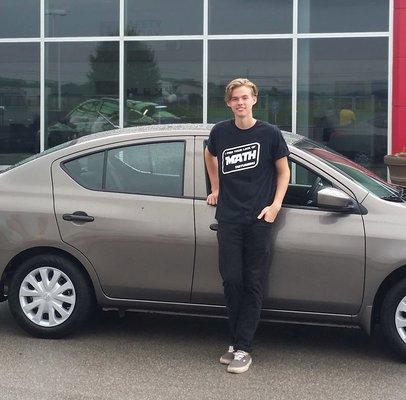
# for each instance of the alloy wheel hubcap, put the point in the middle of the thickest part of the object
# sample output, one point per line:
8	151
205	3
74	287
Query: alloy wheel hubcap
400	319
47	296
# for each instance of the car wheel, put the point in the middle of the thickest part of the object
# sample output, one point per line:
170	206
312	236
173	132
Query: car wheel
393	318
49	296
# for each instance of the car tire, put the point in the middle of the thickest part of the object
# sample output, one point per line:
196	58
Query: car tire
49	296
393	318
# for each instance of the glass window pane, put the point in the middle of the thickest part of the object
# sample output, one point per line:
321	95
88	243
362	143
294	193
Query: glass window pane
343	15
358	173
19	18
253	17
87	170
304	186
343	96
163	82
155	168
19	101
81	18
268	63
78	78
301	175
163	17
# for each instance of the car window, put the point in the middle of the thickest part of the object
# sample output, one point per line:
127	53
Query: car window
153	168
303	186
358	173
87	170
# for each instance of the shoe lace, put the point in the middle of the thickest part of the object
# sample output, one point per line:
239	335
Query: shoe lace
239	355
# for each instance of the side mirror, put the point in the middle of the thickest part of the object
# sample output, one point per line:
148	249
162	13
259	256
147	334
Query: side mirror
335	200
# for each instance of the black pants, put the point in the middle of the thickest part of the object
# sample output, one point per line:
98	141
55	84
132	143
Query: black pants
244	259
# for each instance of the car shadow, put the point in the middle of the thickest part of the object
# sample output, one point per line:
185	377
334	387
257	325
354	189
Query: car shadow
184	332
281	338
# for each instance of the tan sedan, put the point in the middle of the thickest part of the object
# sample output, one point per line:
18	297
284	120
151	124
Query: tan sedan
120	219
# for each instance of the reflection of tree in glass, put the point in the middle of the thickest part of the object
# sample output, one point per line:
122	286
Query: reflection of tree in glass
142	74
104	69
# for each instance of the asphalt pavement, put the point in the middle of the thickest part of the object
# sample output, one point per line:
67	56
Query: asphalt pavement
151	356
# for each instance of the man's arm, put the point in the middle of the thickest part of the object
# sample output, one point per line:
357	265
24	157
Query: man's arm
212	170
283	176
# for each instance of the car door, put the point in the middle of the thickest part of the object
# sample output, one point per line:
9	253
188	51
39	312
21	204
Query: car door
129	210
318	256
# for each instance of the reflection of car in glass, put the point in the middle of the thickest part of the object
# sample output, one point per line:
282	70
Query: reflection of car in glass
96	115
153	110
120	219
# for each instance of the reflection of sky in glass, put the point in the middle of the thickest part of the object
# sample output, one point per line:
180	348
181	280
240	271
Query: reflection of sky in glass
358	63
74	60
268	62
343	15
81	18
175	60
179	59
19	61
163	17
19	18
255	16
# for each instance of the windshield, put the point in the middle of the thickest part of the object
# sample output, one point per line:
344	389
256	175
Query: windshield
363	176
38	155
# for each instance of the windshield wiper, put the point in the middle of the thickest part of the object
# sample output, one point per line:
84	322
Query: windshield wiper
402	192
394	198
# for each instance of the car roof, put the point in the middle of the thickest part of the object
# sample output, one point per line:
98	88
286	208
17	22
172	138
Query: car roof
186	129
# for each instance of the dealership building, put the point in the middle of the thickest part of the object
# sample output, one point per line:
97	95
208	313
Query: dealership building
331	70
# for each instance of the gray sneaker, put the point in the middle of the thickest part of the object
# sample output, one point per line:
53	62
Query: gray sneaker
228	356
241	363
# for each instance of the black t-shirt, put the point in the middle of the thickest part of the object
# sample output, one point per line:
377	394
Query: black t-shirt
247	172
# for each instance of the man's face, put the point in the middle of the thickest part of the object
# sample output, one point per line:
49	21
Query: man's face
241	102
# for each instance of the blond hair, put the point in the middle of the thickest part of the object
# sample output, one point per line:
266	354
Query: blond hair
235	83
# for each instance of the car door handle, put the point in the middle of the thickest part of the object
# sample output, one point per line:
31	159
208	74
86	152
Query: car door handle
78	216
214	227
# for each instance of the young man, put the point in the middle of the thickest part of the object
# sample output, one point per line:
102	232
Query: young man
246	160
